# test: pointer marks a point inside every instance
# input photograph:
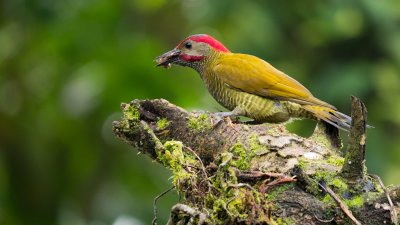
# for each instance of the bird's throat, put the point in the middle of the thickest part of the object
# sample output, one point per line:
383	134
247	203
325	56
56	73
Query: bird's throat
191	58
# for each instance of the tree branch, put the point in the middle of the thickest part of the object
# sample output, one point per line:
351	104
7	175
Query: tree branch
236	173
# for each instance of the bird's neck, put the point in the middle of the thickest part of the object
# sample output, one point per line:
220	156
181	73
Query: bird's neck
207	63
216	87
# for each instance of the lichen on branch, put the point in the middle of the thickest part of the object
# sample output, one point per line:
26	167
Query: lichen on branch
242	173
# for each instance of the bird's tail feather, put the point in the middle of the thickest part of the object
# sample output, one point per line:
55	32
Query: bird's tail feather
331	116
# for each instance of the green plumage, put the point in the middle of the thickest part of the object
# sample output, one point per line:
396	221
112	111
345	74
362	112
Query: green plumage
259	108
250	86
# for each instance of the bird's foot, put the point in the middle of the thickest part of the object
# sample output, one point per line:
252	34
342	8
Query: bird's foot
232	115
225	114
199	112
228	117
227	120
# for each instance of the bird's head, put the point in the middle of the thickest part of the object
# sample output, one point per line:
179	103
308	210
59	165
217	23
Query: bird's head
191	51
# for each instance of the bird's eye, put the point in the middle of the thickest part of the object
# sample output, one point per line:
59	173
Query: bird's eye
188	45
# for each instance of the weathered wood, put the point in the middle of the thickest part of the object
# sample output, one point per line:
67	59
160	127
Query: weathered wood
245	172
354	163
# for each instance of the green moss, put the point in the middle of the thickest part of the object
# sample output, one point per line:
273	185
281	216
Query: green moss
333	180
322	175
219	212
220	193
235	206
321	137
355	202
255	145
162	123
331	177
327	199
287	221
312	186
131	112
277	190
335	160
131	116
231	201
228	201
173	156
231	178
332	161
225	158
302	163
377	186
242	157
200	123
339	184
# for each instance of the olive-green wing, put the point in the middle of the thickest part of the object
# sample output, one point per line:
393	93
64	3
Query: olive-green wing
253	75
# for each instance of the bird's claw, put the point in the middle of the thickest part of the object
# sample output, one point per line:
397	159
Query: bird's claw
227	120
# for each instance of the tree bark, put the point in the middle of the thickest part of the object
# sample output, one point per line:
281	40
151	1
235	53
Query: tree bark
231	172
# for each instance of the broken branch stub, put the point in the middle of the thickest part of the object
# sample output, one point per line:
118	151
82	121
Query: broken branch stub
354	168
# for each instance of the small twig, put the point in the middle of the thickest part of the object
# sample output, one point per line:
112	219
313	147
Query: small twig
189	211
323	221
342	206
239	185
154	222
158	144
227	204
269	221
393	212
229	157
281	180
202	166
253	175
230	124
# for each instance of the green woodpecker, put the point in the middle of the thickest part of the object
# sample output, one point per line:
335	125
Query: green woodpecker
248	85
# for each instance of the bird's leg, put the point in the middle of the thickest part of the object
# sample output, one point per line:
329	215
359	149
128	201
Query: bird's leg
222	115
235	112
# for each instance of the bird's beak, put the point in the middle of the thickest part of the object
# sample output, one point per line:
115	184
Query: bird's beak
167	58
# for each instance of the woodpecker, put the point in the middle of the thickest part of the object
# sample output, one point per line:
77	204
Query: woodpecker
248	85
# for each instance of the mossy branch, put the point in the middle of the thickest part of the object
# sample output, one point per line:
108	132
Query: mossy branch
237	173
354	164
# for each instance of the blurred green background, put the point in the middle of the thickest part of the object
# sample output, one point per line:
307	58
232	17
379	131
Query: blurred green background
65	67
